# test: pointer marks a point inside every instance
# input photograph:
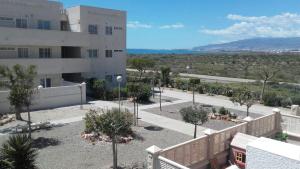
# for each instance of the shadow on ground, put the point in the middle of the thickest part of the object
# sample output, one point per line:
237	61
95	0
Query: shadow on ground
43	142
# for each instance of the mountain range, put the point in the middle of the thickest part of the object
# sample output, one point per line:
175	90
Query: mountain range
255	45
248	45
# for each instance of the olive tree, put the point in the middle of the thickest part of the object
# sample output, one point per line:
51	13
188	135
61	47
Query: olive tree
266	73
243	96
141	65
113	123
195	115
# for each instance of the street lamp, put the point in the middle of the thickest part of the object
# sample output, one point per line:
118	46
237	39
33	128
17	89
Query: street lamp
187	70
80	87
119	80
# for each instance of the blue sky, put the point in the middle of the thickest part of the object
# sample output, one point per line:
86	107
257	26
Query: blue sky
179	24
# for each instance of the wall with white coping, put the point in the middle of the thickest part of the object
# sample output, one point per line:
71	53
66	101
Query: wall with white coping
271	154
49	98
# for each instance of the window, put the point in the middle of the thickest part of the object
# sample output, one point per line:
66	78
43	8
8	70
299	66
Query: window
93	53
108	78
44	24
6	49
108	30
7	22
108	53
23	52
93	29
45	53
21	23
118	28
241	157
118	50
45	82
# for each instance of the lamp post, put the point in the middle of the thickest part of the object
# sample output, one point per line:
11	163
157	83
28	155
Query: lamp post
159	85
119	80
187	70
80	87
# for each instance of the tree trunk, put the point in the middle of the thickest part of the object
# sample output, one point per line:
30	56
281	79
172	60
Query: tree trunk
115	162
263	91
137	113
134	112
29	122
195	131
18	114
248	111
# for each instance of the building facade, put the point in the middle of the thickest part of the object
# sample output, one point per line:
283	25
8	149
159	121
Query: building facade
72	44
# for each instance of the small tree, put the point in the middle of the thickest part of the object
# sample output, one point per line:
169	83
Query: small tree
194	82
243	96
266	73
165	75
17	153
21	85
141	65
195	115
100	88
113	124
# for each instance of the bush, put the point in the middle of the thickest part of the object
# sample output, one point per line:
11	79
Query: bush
144	93
223	111
285	102
296	99
101	122
123	93
281	137
271	99
18	153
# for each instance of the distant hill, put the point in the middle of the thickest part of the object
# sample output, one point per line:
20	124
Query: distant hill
160	51
256	45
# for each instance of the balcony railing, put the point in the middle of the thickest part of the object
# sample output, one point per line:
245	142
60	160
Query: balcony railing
34	37
52	65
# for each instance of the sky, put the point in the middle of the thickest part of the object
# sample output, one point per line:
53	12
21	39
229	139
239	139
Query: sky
184	24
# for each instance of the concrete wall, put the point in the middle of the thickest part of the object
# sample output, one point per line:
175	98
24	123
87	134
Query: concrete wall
49	98
197	153
80	18
291	125
32	11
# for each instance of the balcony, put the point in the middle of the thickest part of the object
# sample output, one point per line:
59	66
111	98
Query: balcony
52	65
37	37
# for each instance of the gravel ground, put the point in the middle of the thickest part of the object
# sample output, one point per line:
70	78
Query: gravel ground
154	100
172	111
62	147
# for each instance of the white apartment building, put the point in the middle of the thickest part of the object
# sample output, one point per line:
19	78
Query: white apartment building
70	44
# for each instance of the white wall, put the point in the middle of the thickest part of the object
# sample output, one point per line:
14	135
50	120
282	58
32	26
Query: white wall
265	153
49	98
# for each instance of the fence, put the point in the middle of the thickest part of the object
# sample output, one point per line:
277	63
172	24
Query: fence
50	97
291	124
198	152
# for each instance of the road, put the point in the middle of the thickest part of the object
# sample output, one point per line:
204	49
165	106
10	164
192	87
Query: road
218	79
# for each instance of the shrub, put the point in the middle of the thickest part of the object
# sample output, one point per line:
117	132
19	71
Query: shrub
285	102
281	136
271	99
18	153
123	93
223	111
144	93
296	99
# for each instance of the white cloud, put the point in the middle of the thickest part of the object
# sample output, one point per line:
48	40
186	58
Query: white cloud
137	24
173	26
283	25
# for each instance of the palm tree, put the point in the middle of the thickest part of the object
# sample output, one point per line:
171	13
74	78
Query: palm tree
17	153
